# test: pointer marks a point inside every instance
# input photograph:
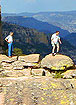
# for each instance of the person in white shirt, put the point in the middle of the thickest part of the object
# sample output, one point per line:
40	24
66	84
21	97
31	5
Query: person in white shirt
9	39
55	40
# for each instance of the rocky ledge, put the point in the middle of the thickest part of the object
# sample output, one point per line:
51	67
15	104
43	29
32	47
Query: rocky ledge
28	80
33	65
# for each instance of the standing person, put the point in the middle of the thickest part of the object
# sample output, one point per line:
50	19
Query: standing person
9	39
55	40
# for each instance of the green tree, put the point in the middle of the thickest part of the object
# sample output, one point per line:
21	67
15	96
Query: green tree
17	52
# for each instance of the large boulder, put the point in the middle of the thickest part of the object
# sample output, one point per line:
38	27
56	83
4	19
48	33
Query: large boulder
38	72
57	62
33	58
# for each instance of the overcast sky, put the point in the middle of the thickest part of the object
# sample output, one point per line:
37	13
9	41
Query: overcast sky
18	6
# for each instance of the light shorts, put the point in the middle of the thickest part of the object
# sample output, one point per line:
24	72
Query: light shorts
55	44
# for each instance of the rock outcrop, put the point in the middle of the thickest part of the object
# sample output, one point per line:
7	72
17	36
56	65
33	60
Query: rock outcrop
57	62
37	91
21	61
20	66
22	83
31	65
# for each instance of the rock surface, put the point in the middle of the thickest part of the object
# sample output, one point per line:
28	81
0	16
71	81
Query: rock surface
33	58
9	66
19	63
57	62
2	57
15	73
7	59
37	91
22	83
38	72
69	74
20	66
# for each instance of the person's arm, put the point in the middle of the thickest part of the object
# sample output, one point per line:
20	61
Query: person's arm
52	38
60	41
6	39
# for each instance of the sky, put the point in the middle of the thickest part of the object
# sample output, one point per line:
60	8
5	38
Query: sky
18	6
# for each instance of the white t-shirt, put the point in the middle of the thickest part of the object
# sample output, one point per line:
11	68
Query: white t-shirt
9	38
55	38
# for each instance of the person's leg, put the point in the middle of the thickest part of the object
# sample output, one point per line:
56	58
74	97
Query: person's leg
57	47
9	49
53	45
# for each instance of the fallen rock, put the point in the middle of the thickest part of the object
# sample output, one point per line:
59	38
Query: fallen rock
57	62
33	58
38	72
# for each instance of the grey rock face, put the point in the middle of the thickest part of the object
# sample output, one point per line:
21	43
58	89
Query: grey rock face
57	62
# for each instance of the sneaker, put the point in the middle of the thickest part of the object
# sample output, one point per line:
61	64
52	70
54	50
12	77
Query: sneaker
53	54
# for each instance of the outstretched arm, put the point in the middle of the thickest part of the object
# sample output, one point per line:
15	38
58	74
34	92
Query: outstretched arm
60	41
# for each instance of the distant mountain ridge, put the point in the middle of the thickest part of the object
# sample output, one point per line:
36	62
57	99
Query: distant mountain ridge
45	13
18	14
31	22
71	38
65	20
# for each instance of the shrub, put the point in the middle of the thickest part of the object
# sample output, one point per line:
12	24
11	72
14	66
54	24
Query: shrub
17	52
58	74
